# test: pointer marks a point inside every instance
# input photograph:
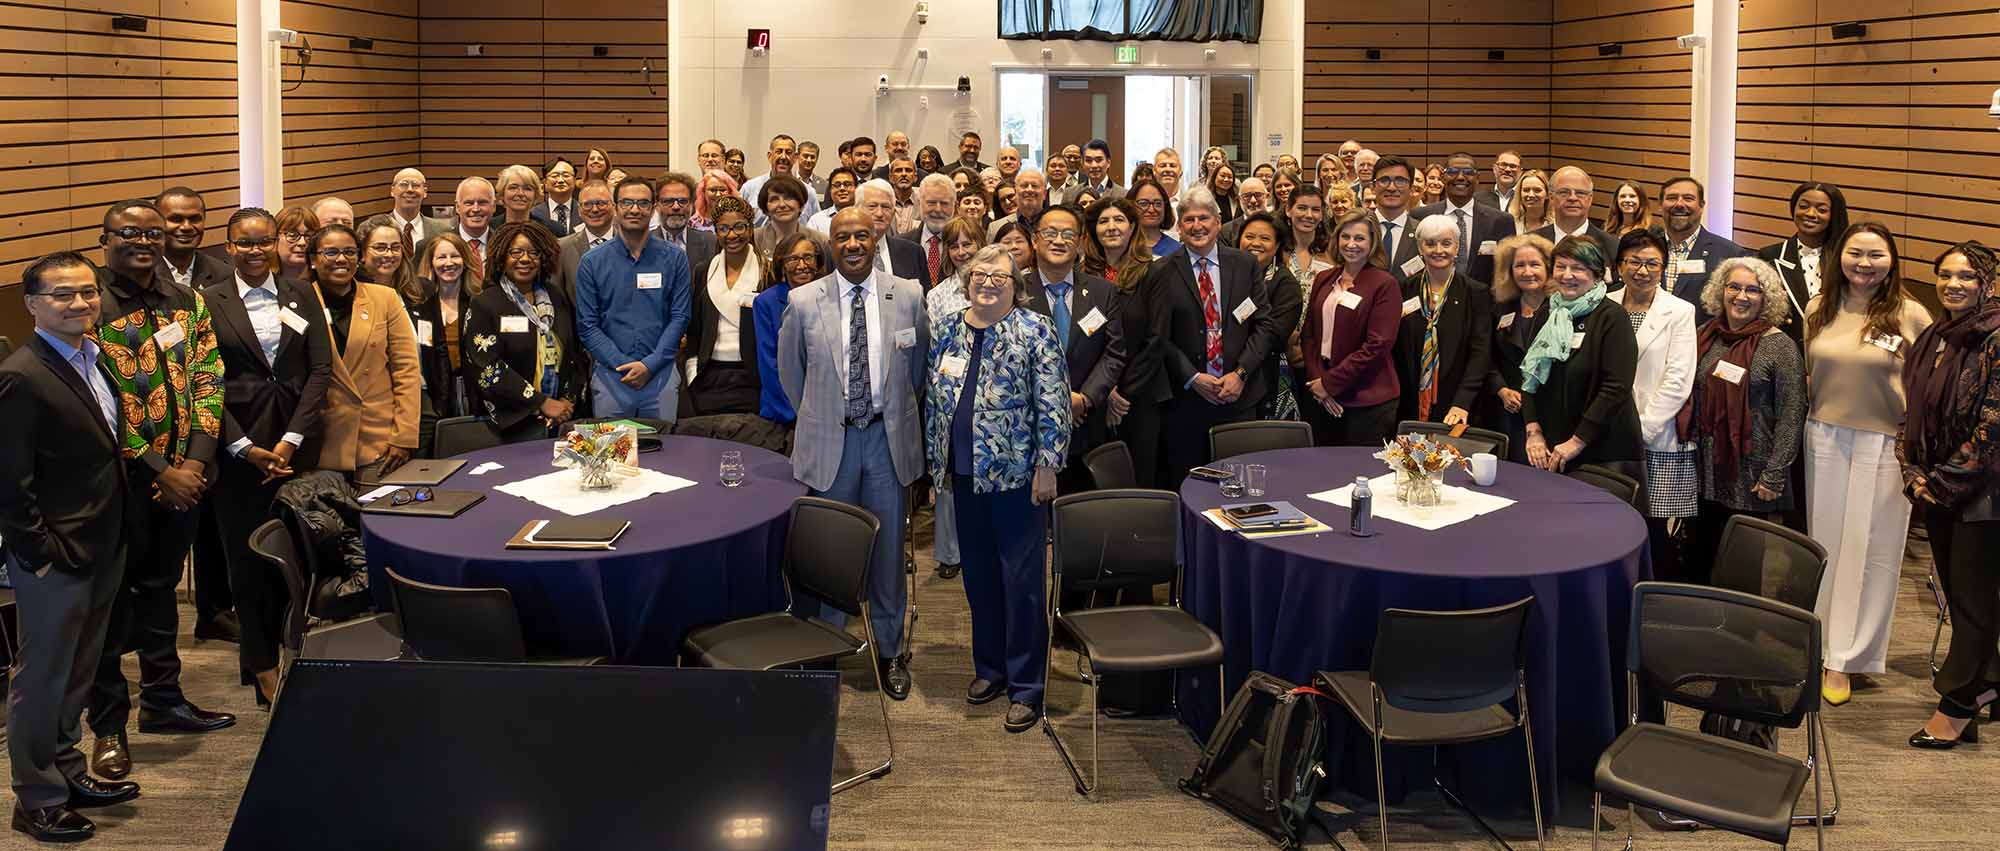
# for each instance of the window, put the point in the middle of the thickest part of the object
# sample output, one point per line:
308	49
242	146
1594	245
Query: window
1123	20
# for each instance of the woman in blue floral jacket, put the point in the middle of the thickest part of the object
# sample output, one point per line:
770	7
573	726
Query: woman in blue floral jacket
998	448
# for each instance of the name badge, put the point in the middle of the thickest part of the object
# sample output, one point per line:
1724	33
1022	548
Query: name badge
513	324
1411	305
649	280
424	333
1507	321
1349	299
1576	340
1787	263
169	336
1729	372
1413	266
292	320
1486	248
1244	311
1091	322
1693	266
952	366
1887	342
906	338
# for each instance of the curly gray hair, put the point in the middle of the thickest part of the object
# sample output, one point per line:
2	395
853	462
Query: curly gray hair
1777	301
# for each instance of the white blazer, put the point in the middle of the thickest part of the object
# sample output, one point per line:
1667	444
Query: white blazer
1665	376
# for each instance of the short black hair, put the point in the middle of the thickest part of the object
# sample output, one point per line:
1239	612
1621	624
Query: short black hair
808	144
788	138
682	178
1640	238
551	166
845	146
1075	214
620	188
1392	162
970	134
179	192
859	141
132	204
781	184
33	277
840	171
244	214
1100	146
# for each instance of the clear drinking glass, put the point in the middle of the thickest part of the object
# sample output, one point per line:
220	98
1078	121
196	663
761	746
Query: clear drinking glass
1253	480
732	469
1232	487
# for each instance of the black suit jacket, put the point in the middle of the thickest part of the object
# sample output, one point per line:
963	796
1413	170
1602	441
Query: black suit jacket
1406	244
1784	256
1711	250
906	260
514	395
701	329
1489	226
1589	396
208	271
541	214
1490	198
1095	360
1180	326
63	489
434	359
264	400
700	248
1465	339
1604	240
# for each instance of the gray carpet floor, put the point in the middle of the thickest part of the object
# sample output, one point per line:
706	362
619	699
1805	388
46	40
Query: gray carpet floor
960	781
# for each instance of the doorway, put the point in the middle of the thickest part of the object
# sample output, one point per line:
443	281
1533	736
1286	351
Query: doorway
1137	114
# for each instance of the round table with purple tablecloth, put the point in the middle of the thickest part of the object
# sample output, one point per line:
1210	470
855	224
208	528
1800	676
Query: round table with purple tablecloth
694	556
1292	606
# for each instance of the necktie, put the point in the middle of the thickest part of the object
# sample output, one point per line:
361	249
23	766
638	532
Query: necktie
1211	312
1059	310
596	241
478	259
934	257
562	219
859	402
1389	241
1464	242
409	241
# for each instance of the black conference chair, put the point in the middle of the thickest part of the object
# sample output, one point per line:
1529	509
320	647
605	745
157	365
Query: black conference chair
1443	678
739	428
1111	466
1111	539
459	435
1730	653
1232	439
6	347
1472	441
1617	484
303	636
444	624
827	554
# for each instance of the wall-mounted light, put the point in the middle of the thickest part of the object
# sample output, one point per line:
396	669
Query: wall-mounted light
129	23
1850	30
1610	49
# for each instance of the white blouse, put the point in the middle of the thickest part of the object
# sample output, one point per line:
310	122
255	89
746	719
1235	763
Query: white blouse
729	302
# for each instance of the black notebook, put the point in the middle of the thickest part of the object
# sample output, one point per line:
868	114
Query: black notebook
569	534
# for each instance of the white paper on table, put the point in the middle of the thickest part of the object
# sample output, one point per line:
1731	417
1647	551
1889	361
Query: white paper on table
378	493
1459	505
487	467
558	490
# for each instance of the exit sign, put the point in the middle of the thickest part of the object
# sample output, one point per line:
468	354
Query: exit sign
1128	54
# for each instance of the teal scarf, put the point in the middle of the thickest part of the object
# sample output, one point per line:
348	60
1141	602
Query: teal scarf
1552	342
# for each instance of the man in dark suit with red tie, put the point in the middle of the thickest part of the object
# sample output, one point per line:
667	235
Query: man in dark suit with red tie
1085	311
1210	331
63	513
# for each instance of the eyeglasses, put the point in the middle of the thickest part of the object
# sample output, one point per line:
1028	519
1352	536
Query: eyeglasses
635	203
980	279
409	495
1460	171
250	244
295	236
739	227
88	294
1062	235
1645	265
1736	289
407	185
674	202
1392	182
1151	204
132	234
801	260
386	247
1571	193
594	205
338	253
523	254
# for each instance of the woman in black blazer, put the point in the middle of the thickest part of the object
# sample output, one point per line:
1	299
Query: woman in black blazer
521	337
725	380
1454	311
1576	377
1819	214
1521	290
443	268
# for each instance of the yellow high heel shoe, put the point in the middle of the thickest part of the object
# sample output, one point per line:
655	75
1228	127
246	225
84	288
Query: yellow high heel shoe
1836	695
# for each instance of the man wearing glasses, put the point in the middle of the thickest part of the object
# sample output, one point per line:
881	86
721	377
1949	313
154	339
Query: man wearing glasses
63	513
1252	197
673	203
1506	173
408	191
167	372
632	307
937	204
594	209
1086	324
1031	192
1480	227
1570	190
1391	179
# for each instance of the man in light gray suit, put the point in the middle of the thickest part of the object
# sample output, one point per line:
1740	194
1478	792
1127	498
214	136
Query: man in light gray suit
408	190
852	356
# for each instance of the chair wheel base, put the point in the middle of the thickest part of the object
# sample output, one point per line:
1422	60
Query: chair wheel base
881	773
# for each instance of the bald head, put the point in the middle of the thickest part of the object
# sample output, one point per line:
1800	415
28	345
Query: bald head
408	190
1571	188
331	211
474	200
1031	191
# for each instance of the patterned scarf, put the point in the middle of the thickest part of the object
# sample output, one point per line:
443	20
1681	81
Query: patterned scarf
1551	344
1724	413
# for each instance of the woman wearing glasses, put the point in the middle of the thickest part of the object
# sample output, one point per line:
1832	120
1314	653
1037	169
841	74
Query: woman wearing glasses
800	259
374	403
383	263
1663	326
721	332
1156	215
296	226
1576	377
523	353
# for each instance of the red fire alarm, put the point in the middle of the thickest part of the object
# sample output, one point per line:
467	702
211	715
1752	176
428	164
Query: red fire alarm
759	42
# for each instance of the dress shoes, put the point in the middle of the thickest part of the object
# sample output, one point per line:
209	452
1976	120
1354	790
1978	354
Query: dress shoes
185	718
948	571
1022	717
982	690
223	626
86	791
895	676
110	757
1925	741
53	824
1836	696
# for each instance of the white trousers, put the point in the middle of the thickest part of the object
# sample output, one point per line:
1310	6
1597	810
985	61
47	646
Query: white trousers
1857	511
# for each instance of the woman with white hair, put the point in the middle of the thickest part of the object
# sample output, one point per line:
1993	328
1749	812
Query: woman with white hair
1747	414
1442	346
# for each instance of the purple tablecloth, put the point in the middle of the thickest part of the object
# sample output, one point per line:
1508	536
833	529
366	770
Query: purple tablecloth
698	555
1294	606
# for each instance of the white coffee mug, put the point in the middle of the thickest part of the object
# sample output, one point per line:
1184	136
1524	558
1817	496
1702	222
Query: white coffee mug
1484	467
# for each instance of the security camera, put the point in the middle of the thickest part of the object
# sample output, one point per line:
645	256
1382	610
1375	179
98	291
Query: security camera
882	85
923	11
1690	42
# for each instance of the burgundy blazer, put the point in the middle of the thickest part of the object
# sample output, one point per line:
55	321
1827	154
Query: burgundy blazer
1361	373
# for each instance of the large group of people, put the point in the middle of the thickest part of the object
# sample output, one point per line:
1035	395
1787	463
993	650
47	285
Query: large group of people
949	327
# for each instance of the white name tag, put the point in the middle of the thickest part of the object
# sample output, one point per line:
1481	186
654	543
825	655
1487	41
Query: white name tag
1787	263
1576	340
906	338
1411	305
1693	266
1413	266
513	324
1243	311
1508	320
649	280
952	366
1091	322
424	333
1486	248
1887	342
1349	299
292	320
169	336
1729	372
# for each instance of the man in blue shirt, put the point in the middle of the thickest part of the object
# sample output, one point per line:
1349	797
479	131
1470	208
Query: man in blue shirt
632	306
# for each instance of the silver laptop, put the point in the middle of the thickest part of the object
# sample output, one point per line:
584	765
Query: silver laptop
423	473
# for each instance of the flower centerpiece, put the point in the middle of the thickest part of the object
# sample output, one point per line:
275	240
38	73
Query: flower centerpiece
1419	462
602	453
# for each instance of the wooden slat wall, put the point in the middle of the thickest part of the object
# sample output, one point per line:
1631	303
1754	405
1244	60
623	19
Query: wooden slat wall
1897	119
1434	90
353	122
1621	117
538	90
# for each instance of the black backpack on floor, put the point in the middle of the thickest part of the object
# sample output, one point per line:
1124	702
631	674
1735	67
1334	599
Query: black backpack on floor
1262	764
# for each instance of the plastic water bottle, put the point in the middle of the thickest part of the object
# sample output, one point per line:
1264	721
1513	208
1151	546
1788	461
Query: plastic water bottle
1361	510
